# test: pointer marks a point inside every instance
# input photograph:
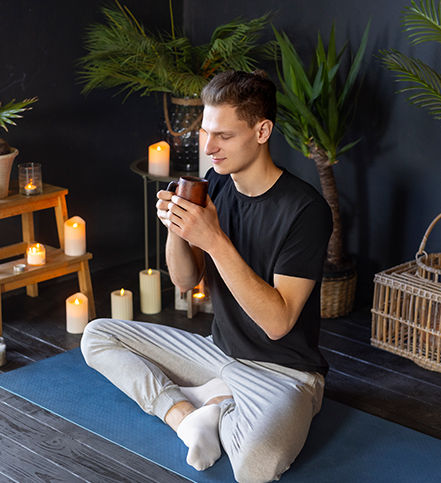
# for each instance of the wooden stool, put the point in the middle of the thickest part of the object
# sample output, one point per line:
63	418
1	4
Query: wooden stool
57	262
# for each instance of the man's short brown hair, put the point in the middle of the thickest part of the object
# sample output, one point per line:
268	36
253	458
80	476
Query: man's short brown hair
252	94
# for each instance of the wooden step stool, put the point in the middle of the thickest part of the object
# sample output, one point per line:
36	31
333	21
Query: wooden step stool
57	262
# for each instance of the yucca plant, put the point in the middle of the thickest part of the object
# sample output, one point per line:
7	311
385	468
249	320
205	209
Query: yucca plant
315	107
424	87
122	53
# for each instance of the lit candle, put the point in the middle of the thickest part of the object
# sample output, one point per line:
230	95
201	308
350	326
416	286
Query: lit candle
36	254
159	159
150	291
30	188
204	161
77	313
75	236
121	302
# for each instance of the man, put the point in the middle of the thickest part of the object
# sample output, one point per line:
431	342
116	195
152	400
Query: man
254	386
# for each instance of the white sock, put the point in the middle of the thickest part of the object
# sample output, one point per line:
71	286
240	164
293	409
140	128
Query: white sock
200	395
199	431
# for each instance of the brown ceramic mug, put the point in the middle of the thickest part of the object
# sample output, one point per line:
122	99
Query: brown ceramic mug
191	188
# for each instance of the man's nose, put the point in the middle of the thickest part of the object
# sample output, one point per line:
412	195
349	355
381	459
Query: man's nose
210	147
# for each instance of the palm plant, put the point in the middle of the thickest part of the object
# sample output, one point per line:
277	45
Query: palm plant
122	53
425	83
10	111
315	108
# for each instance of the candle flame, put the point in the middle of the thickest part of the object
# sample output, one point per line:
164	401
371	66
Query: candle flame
75	225
158	148
121	292
30	185
38	247
77	302
198	295
149	271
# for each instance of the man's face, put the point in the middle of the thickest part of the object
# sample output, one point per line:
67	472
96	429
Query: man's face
232	144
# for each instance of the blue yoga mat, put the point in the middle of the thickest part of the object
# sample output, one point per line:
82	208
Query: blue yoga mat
345	445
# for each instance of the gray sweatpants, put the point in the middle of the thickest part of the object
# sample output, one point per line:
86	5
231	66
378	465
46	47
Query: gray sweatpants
262	430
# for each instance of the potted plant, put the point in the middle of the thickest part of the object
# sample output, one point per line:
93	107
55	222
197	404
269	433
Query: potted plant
315	106
9	112
425	83
123	54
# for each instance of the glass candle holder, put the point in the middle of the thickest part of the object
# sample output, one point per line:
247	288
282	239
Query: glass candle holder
29	179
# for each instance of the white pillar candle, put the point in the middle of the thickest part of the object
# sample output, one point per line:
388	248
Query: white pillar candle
159	159
77	313
75	236
121	302
150	291
204	161
36	254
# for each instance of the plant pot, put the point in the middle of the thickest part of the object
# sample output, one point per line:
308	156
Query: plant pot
6	161
181	131
338	291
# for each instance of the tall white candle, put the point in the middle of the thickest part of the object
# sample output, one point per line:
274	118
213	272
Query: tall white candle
150	291
121	302
77	313
204	161
75	236
159	159
36	254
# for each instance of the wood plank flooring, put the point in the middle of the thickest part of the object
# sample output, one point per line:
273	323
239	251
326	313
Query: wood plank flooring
36	445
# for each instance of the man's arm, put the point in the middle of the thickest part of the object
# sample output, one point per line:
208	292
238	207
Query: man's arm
274	309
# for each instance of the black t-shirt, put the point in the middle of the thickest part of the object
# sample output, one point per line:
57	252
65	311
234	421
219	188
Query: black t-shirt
283	231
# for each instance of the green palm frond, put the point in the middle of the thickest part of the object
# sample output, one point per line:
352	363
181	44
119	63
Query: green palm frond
426	88
122	53
424	83
11	111
425	19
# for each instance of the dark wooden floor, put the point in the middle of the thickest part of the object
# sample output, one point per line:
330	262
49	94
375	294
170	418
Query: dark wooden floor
37	446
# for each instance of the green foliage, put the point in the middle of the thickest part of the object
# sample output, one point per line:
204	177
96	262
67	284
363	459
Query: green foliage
423	23
11	111
315	105
123	54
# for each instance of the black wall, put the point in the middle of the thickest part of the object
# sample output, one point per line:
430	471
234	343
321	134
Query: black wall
389	184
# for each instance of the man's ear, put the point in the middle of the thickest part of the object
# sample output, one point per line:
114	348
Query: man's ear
264	130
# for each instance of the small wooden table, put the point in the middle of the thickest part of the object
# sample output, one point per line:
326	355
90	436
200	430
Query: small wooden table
57	262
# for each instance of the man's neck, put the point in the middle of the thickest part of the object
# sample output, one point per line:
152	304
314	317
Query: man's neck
258	178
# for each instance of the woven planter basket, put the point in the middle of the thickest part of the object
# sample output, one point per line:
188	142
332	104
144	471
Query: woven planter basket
338	294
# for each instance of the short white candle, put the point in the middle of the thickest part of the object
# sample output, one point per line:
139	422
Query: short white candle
205	162
121	302
75	236
159	159
30	188
36	254
150	291
77	313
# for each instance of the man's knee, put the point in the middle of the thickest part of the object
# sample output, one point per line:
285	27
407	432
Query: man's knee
259	467
90	339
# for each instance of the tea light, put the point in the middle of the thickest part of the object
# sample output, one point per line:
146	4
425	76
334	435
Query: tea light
30	188
77	313
121	302
205	162
75	236
159	159
150	291
36	254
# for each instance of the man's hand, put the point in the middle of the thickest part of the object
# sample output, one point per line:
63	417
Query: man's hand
197	225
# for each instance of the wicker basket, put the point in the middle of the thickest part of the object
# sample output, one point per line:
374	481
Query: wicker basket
406	312
337	295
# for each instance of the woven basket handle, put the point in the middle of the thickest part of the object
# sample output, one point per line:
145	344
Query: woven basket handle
426	235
